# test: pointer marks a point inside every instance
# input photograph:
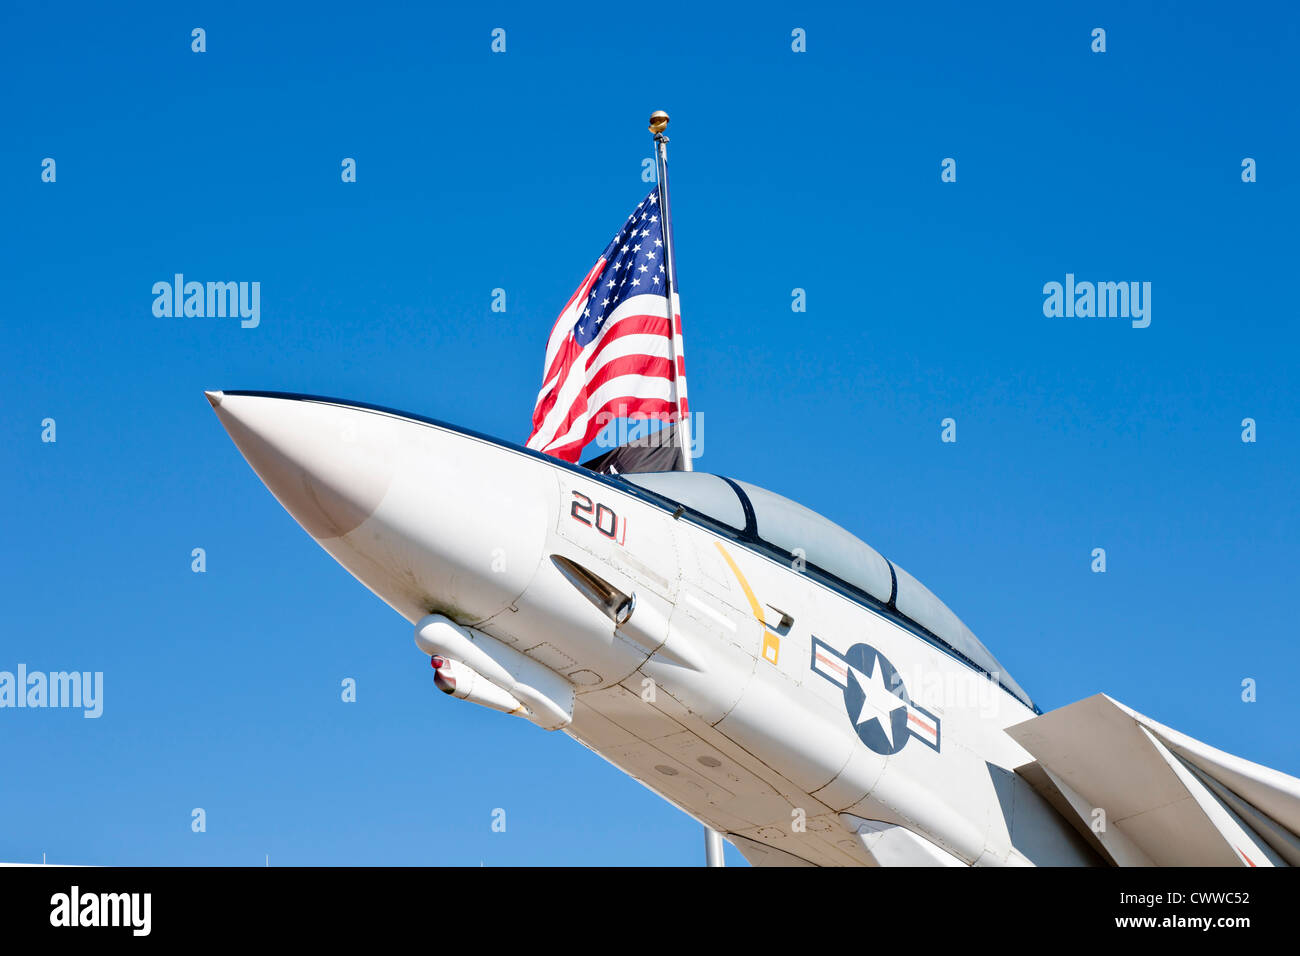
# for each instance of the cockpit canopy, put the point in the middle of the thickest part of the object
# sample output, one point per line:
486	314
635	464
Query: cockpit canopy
762	517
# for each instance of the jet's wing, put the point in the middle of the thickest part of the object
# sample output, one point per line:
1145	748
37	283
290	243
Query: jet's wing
1146	795
760	854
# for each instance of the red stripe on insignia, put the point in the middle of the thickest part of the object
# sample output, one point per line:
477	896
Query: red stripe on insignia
917	720
840	668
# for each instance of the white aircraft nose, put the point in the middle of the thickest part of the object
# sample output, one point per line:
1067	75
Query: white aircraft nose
329	466
432	520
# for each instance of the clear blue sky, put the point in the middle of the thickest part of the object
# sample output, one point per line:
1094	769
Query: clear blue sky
477	171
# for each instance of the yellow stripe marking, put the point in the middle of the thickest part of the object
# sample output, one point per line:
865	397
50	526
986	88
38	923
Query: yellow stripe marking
749	593
771	642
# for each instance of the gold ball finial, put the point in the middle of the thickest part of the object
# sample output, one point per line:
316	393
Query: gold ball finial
658	121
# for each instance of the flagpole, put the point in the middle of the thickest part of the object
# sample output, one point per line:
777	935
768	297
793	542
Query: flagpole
658	123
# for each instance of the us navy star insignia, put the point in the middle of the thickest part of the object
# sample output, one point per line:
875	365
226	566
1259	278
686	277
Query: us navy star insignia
879	708
878	703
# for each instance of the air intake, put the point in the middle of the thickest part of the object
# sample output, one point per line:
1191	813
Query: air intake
606	598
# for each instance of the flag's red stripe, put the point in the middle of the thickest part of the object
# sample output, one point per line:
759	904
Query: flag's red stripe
623	365
568	355
649	365
570	352
628	325
631	404
583	289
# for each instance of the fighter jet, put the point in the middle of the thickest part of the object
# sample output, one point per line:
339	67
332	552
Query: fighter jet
748	660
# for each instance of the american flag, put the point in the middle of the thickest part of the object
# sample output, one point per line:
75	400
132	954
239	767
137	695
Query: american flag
609	355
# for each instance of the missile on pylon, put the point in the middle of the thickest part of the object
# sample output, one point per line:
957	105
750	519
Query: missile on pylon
461	681
546	696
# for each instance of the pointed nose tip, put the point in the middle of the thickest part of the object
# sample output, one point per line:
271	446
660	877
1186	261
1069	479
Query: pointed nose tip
428	518
330	466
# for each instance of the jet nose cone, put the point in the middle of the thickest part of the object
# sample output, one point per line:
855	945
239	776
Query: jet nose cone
429	519
328	465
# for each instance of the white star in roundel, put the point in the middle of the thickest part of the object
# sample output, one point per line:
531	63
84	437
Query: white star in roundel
878	703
